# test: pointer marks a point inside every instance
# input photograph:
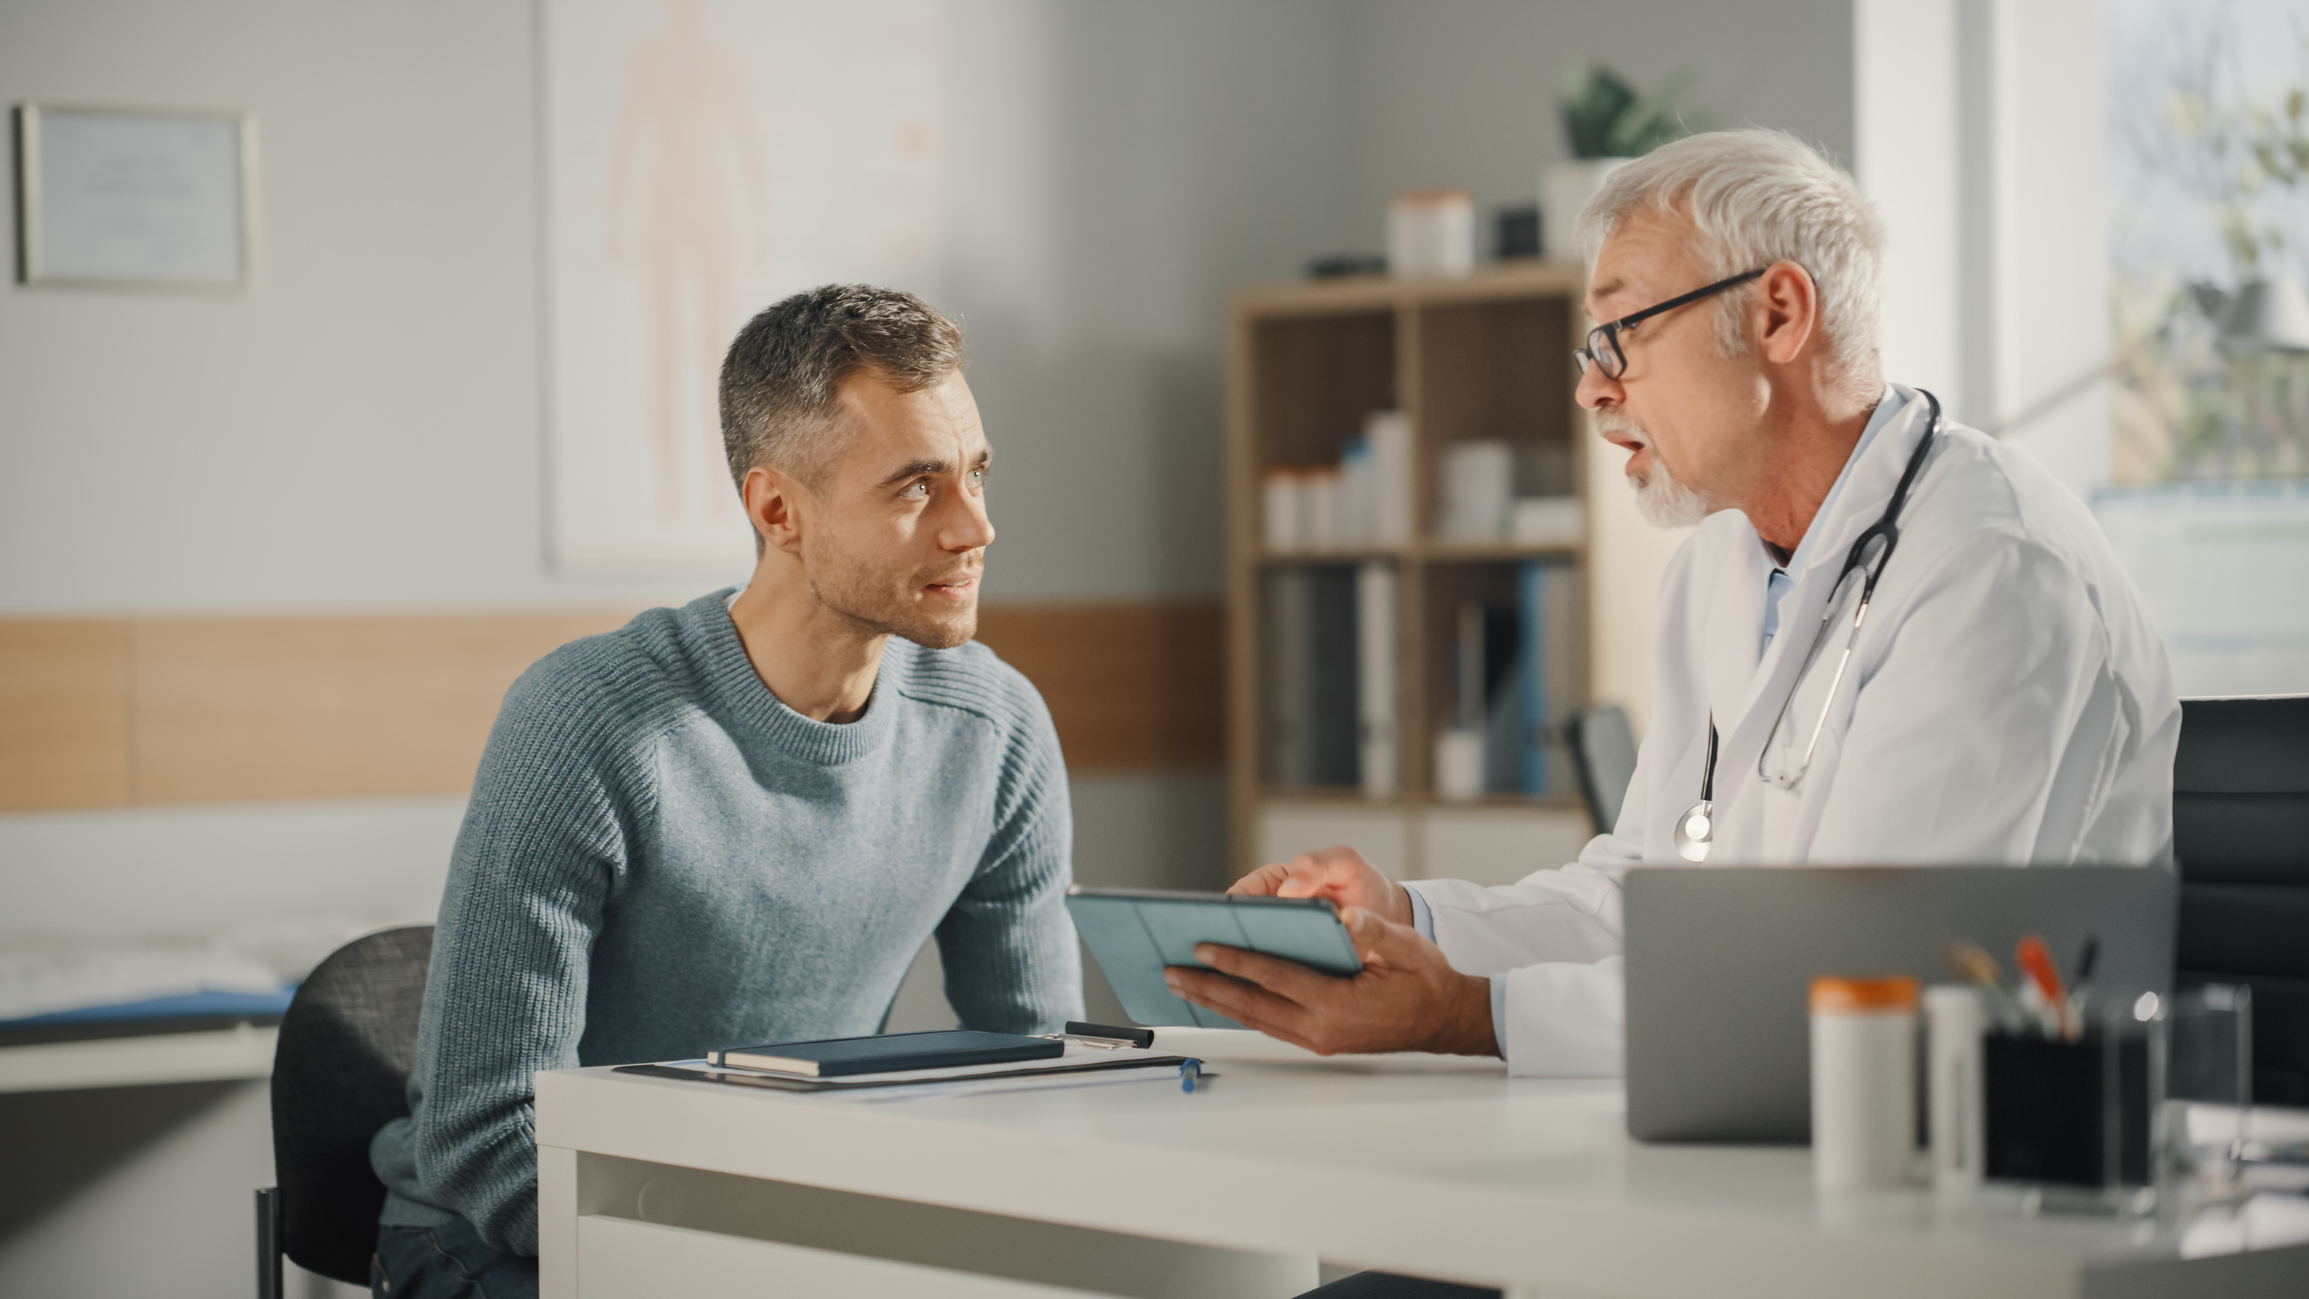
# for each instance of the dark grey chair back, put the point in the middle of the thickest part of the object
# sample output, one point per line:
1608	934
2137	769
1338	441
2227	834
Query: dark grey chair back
346	1047
1603	752
2241	832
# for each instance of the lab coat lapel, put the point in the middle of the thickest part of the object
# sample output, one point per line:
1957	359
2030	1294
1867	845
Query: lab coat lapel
1735	626
1869	489
1859	504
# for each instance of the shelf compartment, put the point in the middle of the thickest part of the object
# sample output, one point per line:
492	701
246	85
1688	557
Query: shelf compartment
1314	379
1499	588
1497	371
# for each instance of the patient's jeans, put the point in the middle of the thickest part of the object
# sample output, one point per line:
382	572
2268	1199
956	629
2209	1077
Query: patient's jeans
450	1261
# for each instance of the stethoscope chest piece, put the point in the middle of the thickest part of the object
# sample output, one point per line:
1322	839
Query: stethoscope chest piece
1695	831
1696	828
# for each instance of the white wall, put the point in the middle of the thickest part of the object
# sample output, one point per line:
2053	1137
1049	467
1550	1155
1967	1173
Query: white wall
1462	92
1982	139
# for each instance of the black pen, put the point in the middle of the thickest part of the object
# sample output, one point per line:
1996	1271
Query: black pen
2080	988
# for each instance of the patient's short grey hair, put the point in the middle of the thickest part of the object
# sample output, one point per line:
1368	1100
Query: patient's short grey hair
1755	197
783	372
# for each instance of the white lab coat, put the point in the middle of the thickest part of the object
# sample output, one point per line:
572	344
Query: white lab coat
2007	702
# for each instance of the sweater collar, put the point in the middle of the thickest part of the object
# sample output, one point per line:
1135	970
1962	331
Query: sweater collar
740	694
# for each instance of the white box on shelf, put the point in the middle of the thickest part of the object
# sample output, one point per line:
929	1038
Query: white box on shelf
1478	478
1547	521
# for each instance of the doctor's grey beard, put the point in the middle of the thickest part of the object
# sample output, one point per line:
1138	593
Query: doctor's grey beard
1661	500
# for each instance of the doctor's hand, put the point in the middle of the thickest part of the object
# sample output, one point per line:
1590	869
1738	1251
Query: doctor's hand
1339	874
1408	998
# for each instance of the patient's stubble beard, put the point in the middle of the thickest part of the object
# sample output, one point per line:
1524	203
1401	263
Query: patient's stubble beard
880	603
1661	499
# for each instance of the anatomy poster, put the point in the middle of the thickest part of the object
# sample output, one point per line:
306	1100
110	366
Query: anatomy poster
704	158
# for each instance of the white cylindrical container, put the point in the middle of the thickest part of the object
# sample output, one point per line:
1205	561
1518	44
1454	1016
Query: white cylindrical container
1431	232
1955	1022
1389	432
1319	507
1285	514
1863	1082
1459	764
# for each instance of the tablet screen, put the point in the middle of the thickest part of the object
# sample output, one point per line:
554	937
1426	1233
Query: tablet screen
1134	933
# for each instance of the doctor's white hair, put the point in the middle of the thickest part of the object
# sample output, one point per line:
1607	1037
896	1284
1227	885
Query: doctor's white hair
1755	197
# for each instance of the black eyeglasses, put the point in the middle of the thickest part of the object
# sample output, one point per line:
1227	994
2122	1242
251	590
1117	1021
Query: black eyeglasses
1603	342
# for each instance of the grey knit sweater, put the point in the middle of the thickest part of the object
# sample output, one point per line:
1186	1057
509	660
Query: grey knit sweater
660	858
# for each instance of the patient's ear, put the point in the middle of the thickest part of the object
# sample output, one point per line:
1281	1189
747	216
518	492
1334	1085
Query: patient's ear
775	505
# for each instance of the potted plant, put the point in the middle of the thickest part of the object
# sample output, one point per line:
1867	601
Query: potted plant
1608	124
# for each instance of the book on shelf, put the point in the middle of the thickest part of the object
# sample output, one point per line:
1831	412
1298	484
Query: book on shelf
1376	695
1553	652
1311	701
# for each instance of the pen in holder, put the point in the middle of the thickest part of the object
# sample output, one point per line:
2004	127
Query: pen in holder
2073	1115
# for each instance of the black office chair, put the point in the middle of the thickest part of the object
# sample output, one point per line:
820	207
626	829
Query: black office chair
2241	831
346	1047
1603	753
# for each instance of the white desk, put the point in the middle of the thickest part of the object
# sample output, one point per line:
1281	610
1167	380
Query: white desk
243	1051
650	1186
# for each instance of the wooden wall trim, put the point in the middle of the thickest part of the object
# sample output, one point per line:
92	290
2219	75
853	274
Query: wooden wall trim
63	713
1131	687
124	712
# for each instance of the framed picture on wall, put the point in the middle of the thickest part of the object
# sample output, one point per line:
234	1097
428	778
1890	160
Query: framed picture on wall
137	198
703	159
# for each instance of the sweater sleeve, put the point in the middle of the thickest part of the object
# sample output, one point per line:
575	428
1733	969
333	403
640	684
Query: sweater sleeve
544	838
1008	946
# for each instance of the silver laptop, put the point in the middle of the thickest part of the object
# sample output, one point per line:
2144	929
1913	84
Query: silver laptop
1719	961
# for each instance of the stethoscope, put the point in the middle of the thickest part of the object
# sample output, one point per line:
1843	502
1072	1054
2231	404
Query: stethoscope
1696	828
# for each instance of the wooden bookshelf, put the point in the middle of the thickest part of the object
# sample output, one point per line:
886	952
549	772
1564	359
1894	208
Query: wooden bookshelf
1486	356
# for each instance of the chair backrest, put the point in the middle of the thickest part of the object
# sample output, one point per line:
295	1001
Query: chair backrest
1603	752
2241	832
339	1074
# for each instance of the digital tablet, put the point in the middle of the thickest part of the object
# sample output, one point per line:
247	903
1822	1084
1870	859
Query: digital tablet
1134	933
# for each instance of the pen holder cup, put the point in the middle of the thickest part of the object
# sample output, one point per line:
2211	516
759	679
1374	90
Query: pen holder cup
2073	1114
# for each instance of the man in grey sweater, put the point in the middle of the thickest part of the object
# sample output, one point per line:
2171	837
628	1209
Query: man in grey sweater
737	821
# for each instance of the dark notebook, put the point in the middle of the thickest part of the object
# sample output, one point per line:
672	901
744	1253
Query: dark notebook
837	1057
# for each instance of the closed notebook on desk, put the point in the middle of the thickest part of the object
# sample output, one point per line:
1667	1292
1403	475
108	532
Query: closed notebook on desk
836	1057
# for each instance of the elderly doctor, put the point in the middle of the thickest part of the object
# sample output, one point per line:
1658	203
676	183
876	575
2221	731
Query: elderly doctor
2003	699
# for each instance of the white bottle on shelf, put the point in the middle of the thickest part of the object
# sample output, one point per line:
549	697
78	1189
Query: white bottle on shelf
1354	521
1389	435
1319	507
1283	509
